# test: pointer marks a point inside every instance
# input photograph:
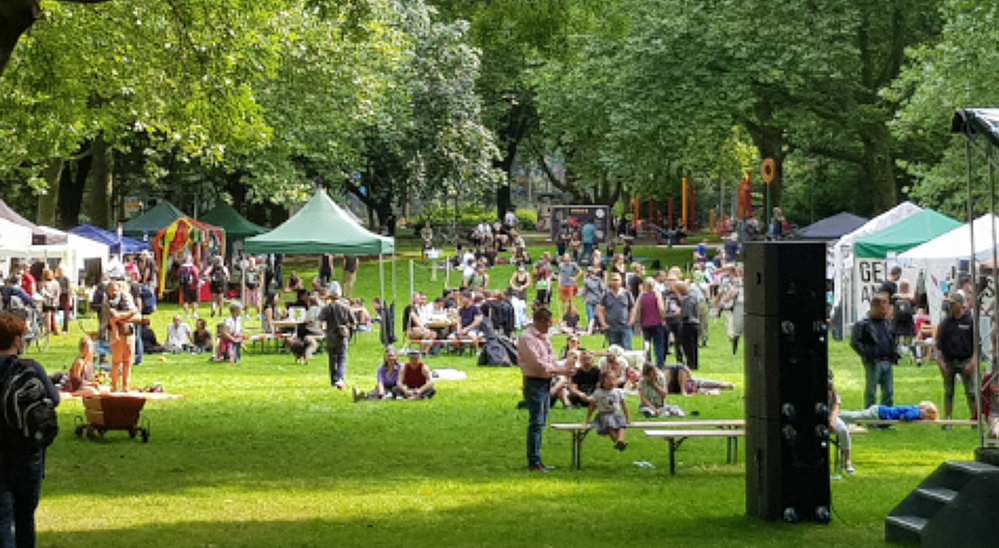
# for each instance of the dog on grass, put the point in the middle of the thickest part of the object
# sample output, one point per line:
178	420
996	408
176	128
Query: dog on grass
299	349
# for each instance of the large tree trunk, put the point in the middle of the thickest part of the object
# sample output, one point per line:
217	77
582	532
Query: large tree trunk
101	184
48	202
71	189
878	168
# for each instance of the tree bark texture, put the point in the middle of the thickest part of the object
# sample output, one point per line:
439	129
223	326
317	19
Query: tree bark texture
101	184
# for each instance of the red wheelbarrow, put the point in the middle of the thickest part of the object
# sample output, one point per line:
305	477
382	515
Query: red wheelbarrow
113	412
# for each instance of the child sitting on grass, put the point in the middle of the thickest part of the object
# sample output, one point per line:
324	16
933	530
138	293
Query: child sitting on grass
613	415
228	346
652	391
926	410
202	337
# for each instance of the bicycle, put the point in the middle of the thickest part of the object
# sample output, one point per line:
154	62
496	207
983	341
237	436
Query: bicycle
37	333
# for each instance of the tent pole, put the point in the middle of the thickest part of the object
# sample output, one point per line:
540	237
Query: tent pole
381	278
982	422
973	271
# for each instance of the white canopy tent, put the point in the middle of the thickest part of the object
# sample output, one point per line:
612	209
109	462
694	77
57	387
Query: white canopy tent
844	285
940	258
72	254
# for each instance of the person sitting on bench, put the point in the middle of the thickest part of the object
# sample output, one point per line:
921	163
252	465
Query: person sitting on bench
838	426
926	411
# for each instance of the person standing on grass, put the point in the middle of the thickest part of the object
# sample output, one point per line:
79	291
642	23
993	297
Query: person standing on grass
189	280
117	316
21	468
648	312
339	321
614	313
536	359
873	341
956	354
350	264
568	278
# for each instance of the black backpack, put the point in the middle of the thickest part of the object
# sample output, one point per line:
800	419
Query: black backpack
149	302
185	277
29	423
218	279
903	310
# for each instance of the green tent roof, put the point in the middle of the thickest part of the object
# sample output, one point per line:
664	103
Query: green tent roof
321	226
236	226
152	221
904	235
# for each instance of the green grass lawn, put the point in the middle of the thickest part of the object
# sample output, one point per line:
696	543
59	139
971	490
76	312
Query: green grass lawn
265	453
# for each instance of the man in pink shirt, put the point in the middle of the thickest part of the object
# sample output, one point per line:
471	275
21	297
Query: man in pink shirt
536	358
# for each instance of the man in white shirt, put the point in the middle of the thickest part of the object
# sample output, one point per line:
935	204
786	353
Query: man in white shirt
178	336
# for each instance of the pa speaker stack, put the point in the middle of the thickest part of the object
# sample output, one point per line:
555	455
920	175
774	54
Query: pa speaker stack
786	370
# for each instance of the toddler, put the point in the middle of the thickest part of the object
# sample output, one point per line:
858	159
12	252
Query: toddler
612	411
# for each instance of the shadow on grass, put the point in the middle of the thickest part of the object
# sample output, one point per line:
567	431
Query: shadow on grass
507	522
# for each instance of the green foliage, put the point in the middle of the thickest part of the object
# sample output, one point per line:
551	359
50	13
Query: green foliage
942	77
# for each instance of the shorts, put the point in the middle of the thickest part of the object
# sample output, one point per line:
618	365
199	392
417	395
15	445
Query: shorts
190	295
567	292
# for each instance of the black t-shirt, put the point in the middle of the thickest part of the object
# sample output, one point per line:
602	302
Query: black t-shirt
586	381
889	287
955	338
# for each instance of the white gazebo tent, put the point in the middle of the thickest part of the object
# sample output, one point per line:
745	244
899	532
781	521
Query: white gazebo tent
843	283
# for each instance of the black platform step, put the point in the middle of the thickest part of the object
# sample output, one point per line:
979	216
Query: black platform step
909	523
939	494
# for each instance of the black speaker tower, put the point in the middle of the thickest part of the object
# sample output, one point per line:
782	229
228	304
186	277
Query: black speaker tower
787	402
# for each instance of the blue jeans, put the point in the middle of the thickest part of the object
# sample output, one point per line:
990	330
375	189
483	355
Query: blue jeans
656	336
20	488
879	374
591	316
139	350
619	336
338	362
537	396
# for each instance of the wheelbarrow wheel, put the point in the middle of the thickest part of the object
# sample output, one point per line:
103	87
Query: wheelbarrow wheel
92	433
131	433
78	431
145	434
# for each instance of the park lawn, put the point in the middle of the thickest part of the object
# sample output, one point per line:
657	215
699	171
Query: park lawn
265	453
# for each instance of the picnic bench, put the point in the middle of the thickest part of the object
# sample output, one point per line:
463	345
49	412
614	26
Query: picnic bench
578	431
677	436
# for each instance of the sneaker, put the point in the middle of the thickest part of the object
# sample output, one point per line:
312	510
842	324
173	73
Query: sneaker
850	469
620	445
339	385
540	468
358	395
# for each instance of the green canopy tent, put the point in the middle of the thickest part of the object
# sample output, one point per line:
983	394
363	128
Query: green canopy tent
146	226
320	227
237	228
904	235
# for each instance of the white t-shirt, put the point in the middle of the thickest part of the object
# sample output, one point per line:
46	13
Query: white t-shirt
178	335
235	325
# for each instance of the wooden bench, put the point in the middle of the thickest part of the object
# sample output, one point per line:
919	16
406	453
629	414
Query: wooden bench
267	342
676	438
578	431
449	344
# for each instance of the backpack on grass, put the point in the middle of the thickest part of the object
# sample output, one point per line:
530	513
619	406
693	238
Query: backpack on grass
29	417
